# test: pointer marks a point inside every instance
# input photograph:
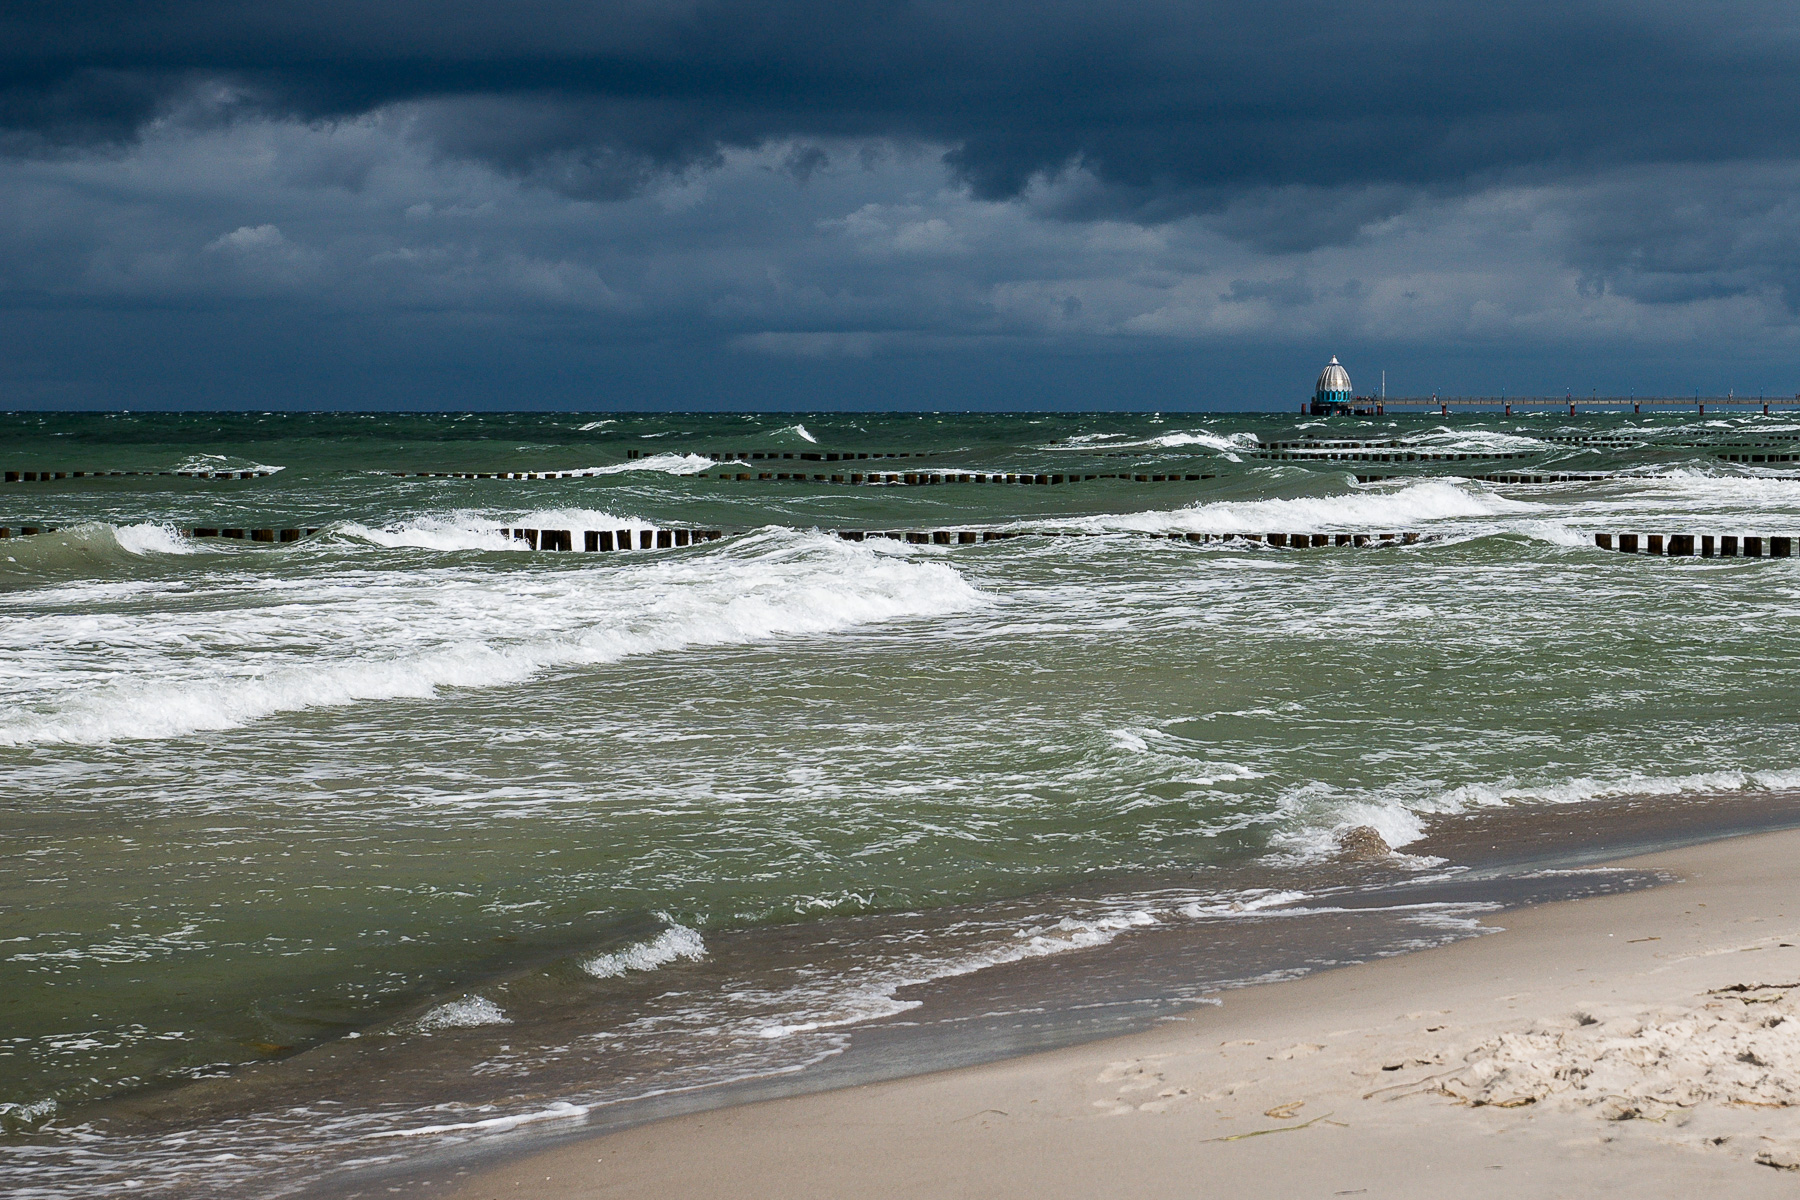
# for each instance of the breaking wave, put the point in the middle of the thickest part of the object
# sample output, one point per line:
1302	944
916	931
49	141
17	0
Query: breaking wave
1430	501
677	941
408	634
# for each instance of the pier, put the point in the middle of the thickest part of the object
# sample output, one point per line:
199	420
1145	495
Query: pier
1377	406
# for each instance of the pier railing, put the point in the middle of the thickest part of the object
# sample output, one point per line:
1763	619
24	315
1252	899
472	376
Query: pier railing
1573	404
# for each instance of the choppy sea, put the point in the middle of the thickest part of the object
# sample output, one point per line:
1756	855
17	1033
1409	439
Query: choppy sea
319	859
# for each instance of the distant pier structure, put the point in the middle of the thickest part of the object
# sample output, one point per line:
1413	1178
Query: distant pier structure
1333	397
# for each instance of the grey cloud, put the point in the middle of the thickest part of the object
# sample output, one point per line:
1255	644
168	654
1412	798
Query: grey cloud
728	196
1172	107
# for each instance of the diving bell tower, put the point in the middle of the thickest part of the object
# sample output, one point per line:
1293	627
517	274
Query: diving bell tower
1331	397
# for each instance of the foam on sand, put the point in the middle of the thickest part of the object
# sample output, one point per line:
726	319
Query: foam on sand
1489	1056
560	1111
1737	1047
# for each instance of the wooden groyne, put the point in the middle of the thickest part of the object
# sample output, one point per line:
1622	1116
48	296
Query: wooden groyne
247	535
1508	477
52	476
596	540
601	541
1707	545
1292	541
934	478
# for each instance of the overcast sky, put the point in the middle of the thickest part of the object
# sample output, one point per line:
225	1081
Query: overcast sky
881	204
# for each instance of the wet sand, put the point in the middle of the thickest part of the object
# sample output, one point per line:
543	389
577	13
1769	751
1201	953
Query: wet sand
1644	1040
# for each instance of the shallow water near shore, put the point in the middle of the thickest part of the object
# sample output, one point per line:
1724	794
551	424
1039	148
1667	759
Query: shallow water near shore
337	853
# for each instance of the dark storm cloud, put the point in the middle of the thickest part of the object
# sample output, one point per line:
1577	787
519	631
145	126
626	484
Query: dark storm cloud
1170	107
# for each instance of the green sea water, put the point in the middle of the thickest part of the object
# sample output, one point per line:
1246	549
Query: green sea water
533	831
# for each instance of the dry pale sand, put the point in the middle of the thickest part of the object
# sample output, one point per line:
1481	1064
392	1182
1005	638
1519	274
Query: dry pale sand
1648	1043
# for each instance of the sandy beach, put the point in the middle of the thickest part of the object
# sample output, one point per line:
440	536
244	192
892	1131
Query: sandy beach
1647	1042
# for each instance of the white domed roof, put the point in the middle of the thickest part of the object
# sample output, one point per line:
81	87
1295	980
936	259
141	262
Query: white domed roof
1334	378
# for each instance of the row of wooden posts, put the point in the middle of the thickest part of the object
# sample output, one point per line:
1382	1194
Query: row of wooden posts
52	476
603	540
1704	545
1324	455
248	535
1295	541
843	455
1589	477
915	479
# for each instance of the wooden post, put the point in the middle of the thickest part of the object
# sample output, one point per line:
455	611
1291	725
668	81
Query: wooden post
1628	543
1603	540
646	539
1781	547
681	537
1752	547
664	539
965	537
1728	547
1656	544
590	541
1708	547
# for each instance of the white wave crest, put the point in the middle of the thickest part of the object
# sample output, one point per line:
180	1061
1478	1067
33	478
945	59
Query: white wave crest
1319	813
878	997
677	941
668	464
470	1012
470	531
1215	441
152	539
1435	500
221	462
800	431
339	638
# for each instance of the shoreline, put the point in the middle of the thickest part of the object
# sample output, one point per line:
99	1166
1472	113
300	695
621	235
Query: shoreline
1434	1058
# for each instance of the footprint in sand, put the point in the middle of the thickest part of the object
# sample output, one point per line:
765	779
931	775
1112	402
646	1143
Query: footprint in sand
1138	1075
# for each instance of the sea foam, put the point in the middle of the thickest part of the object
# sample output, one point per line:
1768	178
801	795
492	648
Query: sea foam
470	1012
347	633
677	941
1396	510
